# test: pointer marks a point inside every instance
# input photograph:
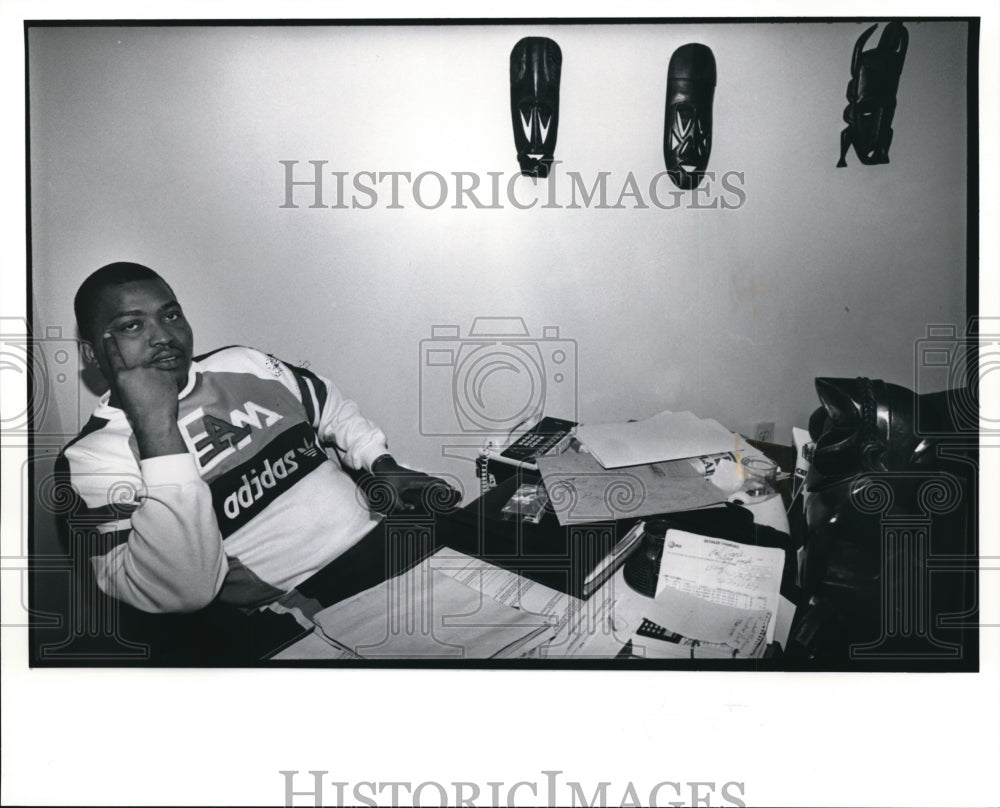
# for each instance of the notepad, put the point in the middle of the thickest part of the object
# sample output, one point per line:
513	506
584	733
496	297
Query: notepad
664	436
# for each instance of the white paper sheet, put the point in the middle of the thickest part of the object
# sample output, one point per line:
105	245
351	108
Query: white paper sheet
664	436
582	491
783	621
425	613
315	645
712	624
576	628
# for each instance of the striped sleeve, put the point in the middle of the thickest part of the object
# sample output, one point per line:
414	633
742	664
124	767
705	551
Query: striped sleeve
312	392
82	531
338	420
149	530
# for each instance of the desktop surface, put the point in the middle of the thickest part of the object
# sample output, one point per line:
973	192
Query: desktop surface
534	569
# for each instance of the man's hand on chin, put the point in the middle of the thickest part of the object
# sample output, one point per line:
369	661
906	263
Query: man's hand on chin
148	396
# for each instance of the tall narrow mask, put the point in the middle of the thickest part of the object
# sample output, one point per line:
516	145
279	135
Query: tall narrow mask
871	95
687	129
535	66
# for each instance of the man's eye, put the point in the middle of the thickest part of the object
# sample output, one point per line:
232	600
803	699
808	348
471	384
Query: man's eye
172	316
130	328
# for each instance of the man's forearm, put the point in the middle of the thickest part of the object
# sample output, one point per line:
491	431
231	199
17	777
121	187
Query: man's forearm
158	438
173	560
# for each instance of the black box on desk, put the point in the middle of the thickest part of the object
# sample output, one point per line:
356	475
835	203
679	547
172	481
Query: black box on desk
561	557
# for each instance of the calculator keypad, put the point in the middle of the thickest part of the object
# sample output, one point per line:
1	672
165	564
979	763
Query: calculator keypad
656	632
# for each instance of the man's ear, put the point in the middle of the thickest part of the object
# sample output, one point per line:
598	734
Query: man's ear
87	349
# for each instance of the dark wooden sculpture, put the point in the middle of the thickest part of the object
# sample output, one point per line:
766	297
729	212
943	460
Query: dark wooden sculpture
871	95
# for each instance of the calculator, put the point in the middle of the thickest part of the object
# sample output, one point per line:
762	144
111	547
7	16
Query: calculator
539	440
656	632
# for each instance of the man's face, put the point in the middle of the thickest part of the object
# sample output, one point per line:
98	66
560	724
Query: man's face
147	324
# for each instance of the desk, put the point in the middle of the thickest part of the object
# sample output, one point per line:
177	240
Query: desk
536	568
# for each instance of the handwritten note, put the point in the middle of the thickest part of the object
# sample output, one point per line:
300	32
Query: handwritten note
724	572
714	629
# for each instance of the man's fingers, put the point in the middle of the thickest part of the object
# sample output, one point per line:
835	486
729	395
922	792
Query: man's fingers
115	359
431	494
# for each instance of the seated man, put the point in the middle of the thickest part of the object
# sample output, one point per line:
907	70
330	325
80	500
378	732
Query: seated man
235	501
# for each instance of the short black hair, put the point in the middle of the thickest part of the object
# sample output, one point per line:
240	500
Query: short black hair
88	296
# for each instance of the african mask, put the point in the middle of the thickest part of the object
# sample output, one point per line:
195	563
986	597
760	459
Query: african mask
687	130
535	66
871	95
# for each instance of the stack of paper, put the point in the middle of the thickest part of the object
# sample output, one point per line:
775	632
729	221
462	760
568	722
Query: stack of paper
719	593
581	490
664	436
575	629
425	613
668	463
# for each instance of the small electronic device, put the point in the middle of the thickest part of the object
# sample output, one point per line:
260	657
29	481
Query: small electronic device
550	435
657	632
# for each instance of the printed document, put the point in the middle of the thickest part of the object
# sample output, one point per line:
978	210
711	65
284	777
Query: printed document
728	573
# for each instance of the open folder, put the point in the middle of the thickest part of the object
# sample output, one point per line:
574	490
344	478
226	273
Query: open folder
664	436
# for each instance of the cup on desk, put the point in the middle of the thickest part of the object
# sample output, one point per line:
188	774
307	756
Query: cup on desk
759	476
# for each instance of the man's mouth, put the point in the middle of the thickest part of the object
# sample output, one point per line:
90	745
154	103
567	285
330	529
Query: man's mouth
167	361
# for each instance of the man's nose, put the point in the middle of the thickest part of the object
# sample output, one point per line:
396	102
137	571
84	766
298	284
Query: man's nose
158	335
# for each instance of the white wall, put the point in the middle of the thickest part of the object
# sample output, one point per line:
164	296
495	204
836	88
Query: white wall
162	146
